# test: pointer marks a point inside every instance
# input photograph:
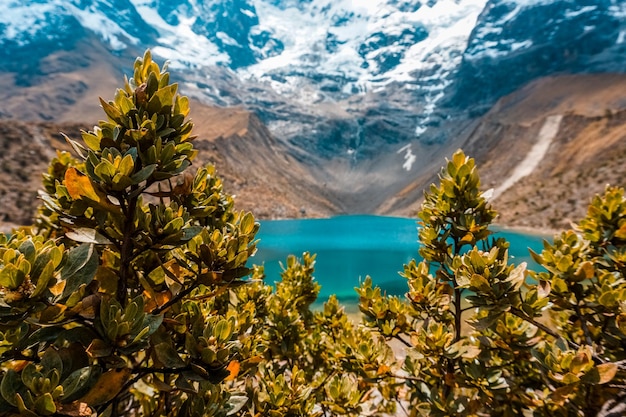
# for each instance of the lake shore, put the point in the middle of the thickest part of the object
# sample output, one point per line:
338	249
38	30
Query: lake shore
541	232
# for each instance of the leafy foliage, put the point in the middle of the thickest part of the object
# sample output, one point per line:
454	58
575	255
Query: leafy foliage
108	309
486	337
131	295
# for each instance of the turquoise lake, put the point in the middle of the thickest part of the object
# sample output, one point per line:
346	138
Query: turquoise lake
351	247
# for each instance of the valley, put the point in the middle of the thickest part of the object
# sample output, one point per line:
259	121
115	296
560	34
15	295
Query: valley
315	108
585	151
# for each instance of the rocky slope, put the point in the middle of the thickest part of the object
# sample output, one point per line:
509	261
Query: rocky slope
582	122
586	153
253	165
350	106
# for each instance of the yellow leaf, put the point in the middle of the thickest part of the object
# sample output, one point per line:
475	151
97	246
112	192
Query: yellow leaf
80	186
606	372
561	394
107	387
58	288
156	299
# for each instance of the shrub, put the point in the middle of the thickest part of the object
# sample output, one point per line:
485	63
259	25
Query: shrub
131	295
486	337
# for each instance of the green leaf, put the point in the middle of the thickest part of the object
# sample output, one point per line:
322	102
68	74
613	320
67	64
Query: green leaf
76	384
28	249
111	111
537	258
182	106
143	174
173	226
105	169
9	386
127	165
21	406
44	405
608	299
91	140
98	348
44	334
87	235
43	279
564	263
190	232
80	268
222	330
247	223
168	356
52	360
479	282
11	277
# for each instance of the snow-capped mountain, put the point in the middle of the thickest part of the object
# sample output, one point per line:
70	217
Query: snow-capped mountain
516	41
335	77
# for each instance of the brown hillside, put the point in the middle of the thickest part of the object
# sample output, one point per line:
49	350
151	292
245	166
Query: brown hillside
253	165
268	177
587	153
256	167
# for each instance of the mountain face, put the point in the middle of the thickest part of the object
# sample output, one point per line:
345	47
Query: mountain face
334	77
516	42
361	91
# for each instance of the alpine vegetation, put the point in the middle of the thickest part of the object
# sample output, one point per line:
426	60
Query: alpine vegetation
131	295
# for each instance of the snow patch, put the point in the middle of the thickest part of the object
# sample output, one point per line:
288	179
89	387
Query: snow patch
304	31
521	45
573	13
25	21
223	36
247	12
409	157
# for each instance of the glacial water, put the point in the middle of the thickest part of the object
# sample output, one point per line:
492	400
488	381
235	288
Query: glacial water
351	247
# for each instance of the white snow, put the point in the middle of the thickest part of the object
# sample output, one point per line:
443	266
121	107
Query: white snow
22	20
226	39
180	44
107	29
521	45
573	13
304	30
409	157
247	12
618	8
